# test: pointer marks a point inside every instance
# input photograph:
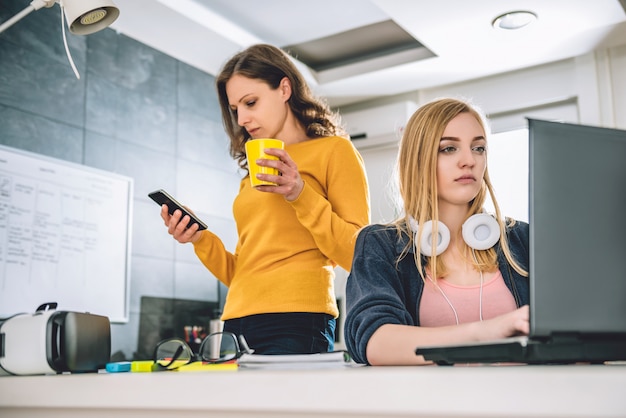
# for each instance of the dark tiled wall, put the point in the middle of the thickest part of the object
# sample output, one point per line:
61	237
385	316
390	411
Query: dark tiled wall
136	112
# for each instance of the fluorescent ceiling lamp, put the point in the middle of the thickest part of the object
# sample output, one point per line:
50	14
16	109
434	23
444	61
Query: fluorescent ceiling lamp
514	20
83	16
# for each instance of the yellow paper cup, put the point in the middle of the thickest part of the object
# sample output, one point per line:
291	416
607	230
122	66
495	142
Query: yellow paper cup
254	151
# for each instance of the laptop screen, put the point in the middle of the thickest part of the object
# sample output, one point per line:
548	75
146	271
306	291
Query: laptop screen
577	216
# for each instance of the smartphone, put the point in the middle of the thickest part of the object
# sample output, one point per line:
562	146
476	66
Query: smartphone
162	197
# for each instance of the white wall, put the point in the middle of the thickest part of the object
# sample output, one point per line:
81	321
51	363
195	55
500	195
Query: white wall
381	176
616	58
596	82
509	176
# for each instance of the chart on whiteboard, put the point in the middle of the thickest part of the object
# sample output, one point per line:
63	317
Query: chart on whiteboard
64	236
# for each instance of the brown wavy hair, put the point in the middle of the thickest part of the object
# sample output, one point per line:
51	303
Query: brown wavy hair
270	65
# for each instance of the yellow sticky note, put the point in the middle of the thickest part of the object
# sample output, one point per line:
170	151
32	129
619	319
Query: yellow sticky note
141	366
198	366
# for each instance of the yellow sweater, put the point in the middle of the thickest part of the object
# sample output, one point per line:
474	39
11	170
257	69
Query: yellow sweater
286	251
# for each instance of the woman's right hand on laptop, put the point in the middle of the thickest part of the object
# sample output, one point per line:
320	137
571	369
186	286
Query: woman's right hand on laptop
508	325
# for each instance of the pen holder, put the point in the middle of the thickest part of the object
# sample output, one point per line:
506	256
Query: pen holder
215	325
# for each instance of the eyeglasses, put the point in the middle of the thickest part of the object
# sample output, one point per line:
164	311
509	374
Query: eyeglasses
220	347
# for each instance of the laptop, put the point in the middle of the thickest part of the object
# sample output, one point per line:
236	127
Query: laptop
577	217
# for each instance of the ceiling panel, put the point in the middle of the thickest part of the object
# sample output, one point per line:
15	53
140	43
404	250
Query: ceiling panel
339	38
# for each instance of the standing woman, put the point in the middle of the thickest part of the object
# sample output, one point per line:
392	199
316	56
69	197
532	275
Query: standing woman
291	235
410	288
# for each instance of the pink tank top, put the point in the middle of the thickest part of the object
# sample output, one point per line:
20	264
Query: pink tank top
435	311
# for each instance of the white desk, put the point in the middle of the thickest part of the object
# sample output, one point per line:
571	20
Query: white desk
505	391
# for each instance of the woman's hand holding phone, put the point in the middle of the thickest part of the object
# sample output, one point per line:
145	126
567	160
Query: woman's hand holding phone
181	222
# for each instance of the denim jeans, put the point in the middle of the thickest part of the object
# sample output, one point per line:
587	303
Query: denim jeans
286	333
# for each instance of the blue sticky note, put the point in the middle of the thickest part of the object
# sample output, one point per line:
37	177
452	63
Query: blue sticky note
118	367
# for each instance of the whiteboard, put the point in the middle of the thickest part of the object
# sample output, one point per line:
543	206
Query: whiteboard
65	236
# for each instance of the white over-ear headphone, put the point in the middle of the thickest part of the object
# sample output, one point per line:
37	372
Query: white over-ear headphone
480	232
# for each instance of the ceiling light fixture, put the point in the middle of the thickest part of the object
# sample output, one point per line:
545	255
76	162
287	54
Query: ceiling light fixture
514	20
83	17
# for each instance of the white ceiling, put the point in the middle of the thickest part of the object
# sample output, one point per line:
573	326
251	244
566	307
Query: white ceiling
205	33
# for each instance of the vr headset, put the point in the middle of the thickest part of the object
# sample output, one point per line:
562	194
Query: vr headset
51	342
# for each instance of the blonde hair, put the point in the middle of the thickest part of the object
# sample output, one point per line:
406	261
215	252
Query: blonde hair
417	173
